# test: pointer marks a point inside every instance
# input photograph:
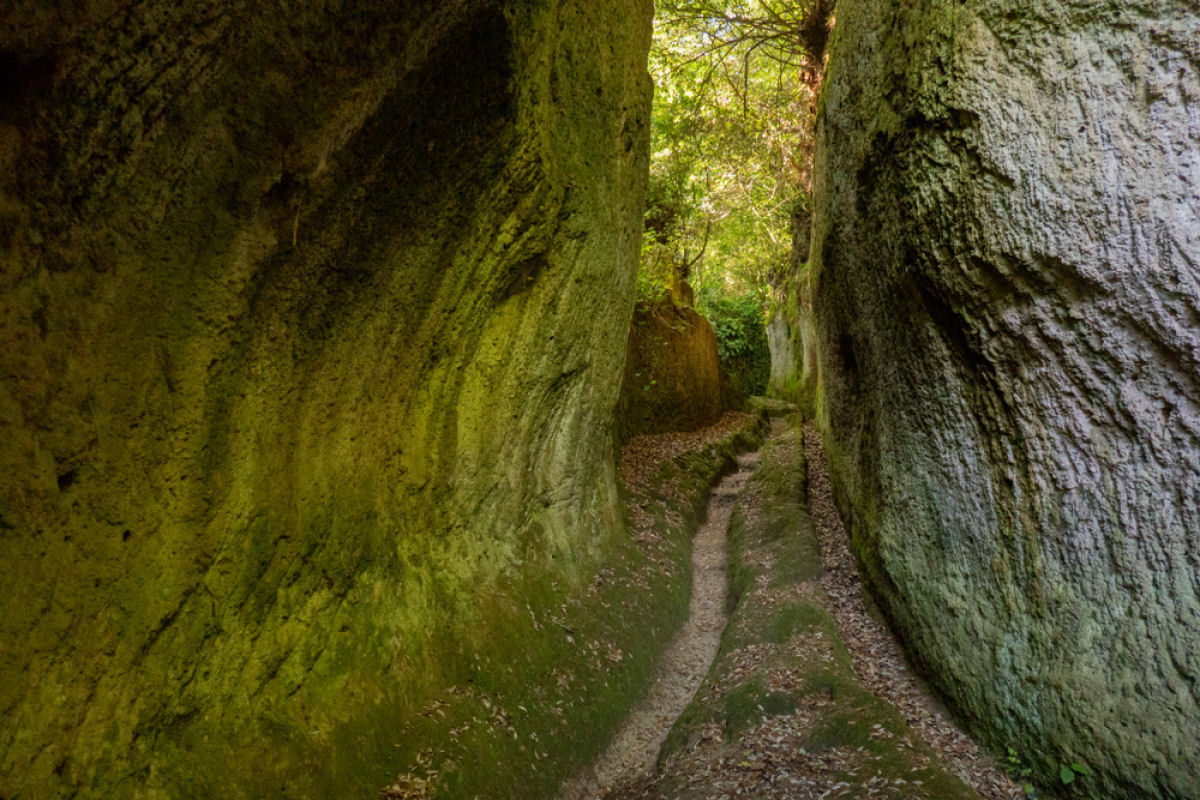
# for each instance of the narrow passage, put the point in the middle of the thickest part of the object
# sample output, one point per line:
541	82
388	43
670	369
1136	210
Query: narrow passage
633	752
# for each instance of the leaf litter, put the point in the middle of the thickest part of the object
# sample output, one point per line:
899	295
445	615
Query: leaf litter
795	737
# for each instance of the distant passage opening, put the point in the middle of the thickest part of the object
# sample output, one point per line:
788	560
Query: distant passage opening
732	140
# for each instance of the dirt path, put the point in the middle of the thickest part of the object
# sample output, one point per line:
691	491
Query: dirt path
808	697
633	752
799	694
877	656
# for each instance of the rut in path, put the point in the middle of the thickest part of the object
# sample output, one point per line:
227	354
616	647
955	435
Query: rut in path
633	752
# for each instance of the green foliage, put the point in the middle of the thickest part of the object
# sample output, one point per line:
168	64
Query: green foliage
1078	768
731	135
1067	773
740	325
1022	772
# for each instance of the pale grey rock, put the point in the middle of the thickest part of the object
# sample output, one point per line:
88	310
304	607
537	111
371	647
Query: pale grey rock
1006	283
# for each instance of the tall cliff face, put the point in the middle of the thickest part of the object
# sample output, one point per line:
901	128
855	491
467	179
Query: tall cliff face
313	323
791	330
1006	278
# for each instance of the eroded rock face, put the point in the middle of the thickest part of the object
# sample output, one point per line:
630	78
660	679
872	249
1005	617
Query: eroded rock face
313	321
1006	277
673	379
791	330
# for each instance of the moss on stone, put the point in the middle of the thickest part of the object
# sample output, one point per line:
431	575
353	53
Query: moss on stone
318	323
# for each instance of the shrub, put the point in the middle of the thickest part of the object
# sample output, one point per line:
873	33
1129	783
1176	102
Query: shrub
740	325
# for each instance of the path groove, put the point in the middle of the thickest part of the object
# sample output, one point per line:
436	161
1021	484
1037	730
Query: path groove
877	655
632	753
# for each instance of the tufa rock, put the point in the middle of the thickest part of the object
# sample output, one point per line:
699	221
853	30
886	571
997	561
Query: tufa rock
313	322
673	378
1006	279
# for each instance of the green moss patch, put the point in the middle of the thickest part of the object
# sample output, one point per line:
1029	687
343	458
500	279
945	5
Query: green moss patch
793	619
748	703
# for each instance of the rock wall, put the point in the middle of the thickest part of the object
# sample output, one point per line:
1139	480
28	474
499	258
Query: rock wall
313	321
1006	277
791	329
792	340
673	379
784	360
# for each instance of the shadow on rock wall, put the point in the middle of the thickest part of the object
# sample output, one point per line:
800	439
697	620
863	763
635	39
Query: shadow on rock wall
313	321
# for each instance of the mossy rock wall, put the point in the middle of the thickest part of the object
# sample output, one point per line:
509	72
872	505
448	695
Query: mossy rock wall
791	329
1006	283
313	318
792	341
673	379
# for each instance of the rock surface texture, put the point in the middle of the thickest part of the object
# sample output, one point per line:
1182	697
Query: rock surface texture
313	320
791	330
1006	279
673	378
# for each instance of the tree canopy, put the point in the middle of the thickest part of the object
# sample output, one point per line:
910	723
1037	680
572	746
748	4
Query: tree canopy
732	138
